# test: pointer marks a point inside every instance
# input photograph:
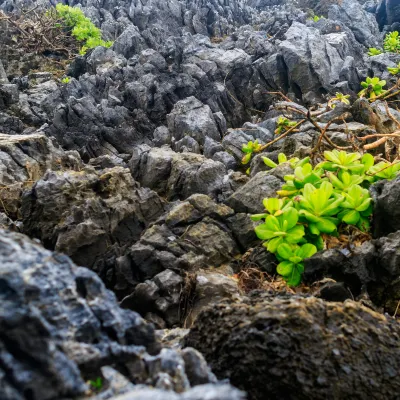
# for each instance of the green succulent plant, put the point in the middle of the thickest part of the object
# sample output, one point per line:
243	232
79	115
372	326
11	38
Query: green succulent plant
281	229
318	206
357	207
294	161
65	80
319	200
303	174
283	124
373	87
81	27
339	97
374	52
340	160
291	266
96	383
344	180
394	70
249	149
274	207
384	170
316	18
391	43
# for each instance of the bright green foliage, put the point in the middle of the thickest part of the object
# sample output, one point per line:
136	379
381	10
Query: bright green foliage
316	18
391	43
357	207
97	383
319	200
249	149
283	124
318	206
342	160
339	97
281	160
343	98
384	170
374	52
303	174
81	27
373	87
394	70
291	266
344	180
65	80
280	229
274	207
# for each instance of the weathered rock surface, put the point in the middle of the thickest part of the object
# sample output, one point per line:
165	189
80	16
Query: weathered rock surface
25	159
59	317
373	267
85	214
299	348
60	326
386	211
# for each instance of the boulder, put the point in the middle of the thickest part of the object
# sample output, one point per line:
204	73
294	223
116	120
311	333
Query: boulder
299	348
85	213
386	218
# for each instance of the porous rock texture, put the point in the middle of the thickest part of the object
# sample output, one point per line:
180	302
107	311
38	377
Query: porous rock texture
60	326
300	348
133	169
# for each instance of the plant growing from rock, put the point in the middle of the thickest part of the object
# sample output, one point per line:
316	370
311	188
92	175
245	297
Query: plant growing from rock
81	27
394	70
372	51
283	124
339	97
249	149
281	229
391	43
373	87
316	201
291	259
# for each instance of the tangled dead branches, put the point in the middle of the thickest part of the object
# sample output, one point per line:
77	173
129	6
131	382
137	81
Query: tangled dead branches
41	33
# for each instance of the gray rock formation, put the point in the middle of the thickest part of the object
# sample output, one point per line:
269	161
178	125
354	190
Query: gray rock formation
60	327
297	348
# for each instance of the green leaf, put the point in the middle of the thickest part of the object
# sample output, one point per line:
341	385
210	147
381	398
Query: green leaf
306	251
295	234
246	158
273	244
258	217
295	278
285	268
285	251
325	225
269	162
291	216
351	217
281	158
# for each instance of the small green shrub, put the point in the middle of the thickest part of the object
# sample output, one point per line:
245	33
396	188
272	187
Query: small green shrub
373	87
318	200
391	43
374	52
283	124
340	97
394	70
96	384
291	266
65	80
249	149
81	27
316	18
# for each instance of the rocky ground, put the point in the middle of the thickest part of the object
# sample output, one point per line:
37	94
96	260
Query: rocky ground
125	209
